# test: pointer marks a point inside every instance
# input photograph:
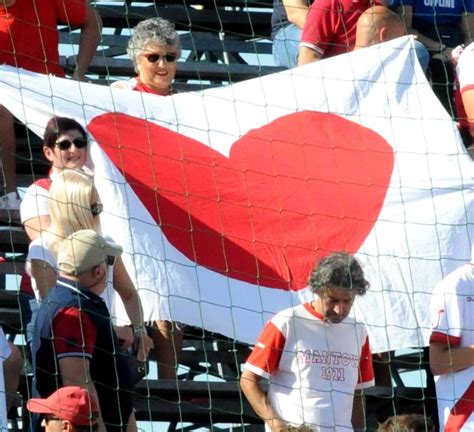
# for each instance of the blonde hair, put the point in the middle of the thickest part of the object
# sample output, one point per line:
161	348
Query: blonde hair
70	198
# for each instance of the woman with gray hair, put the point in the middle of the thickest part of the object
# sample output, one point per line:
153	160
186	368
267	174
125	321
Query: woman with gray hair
154	49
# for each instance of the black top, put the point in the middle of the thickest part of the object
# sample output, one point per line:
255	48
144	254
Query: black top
108	370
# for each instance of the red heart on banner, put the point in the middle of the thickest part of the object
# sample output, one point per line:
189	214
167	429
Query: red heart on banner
291	192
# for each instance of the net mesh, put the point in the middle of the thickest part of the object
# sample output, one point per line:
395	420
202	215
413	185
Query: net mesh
209	280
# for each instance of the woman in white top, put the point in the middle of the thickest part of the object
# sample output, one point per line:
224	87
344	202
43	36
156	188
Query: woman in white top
74	204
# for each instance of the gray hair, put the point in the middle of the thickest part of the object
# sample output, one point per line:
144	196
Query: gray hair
339	270
156	31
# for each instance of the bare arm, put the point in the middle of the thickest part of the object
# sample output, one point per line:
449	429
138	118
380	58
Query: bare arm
44	276
75	372
468	102
296	11
250	385
467	24
34	226
406	13
445	359
88	42
358	411
307	55
127	292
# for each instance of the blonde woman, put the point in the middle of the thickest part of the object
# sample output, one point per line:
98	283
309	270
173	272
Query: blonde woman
74	205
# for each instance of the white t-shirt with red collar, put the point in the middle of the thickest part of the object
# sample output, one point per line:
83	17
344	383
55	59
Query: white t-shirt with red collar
452	312
465	68
313	366
464	82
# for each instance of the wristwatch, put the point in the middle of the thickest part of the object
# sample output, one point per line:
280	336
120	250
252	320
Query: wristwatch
442	47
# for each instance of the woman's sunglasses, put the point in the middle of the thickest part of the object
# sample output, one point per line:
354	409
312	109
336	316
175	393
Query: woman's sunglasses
167	58
66	144
96	209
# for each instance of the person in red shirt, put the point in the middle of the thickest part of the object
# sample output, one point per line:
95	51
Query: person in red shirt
317	359
330	28
29	39
154	48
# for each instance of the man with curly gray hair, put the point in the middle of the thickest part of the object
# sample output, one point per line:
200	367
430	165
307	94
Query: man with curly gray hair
154	48
317	358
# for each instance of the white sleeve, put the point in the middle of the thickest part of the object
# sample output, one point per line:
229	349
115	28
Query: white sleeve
465	68
446	310
34	203
38	250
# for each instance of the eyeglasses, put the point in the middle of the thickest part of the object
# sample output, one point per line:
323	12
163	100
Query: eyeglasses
96	209
66	144
110	260
167	58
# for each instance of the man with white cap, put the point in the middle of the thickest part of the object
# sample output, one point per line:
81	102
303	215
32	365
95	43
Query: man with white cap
452	349
74	342
70	409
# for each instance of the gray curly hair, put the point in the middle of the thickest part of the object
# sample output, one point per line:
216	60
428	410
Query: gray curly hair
339	270
157	31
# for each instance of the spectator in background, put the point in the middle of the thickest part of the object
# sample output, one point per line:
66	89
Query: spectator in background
74	343
376	25
452	348
288	20
74	205
440	26
29	40
379	24
407	423
330	28
70	409
309	389
464	95
65	145
34	209
154	49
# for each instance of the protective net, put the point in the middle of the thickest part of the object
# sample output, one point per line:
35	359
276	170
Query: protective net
226	177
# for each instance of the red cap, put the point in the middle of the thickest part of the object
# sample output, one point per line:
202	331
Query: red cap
68	403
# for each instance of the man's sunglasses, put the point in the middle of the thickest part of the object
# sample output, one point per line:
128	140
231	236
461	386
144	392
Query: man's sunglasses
66	144
96	209
167	58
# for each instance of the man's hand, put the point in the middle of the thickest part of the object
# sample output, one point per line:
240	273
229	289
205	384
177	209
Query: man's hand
77	76
278	425
144	344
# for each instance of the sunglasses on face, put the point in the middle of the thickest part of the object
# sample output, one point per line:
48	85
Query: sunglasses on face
66	144
96	209
167	58
110	260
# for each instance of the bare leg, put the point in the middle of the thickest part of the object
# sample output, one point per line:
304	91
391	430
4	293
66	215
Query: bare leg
12	370
132	423
168	341
7	150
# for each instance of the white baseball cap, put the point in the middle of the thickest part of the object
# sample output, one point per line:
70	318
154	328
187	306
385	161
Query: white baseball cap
83	250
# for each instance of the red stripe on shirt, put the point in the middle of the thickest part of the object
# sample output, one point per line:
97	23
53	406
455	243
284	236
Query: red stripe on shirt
267	352
74	332
445	339
366	368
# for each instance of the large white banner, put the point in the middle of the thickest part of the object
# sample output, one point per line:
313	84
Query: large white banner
224	199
